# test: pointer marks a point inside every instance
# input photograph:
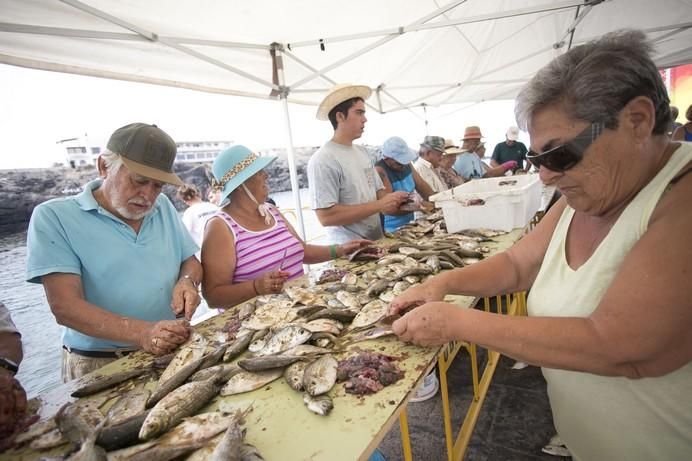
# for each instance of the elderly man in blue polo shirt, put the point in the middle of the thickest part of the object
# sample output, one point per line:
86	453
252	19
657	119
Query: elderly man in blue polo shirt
115	261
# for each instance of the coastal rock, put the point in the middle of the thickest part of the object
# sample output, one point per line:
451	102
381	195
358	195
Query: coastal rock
22	190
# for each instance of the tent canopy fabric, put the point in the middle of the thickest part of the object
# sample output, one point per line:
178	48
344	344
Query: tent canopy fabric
411	52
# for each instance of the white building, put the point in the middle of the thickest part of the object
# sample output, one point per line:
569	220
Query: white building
200	151
79	152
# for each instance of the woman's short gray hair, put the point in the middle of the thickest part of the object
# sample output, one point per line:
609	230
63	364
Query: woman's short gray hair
594	81
112	161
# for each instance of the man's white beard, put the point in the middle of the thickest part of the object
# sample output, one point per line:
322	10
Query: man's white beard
122	209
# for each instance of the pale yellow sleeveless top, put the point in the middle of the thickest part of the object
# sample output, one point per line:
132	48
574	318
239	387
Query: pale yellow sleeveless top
606	418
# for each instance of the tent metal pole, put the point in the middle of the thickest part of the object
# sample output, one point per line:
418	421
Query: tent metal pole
423	25
151	36
277	57
382	41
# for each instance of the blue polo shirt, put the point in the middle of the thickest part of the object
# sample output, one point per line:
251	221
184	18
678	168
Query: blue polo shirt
123	272
469	166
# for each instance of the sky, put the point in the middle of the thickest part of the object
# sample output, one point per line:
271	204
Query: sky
38	108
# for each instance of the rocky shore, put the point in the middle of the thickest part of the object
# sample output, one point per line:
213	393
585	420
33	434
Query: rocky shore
22	190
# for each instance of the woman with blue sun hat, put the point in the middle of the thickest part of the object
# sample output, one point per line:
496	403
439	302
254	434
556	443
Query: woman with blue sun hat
249	248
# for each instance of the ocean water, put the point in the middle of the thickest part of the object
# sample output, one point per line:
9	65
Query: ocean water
40	370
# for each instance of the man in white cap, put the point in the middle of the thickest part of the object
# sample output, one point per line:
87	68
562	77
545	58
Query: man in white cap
115	261
510	150
345	191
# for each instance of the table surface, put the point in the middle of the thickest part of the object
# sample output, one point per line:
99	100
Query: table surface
280	425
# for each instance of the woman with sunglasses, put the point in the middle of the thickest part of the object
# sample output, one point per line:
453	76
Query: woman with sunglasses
608	267
249	248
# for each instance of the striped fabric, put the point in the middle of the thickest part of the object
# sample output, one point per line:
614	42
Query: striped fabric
263	251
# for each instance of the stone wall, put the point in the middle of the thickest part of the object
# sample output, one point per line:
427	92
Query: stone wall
22	190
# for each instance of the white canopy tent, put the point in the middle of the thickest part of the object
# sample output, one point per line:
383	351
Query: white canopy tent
413	53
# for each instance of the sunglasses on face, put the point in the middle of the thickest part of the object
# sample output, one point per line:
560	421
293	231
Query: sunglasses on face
565	156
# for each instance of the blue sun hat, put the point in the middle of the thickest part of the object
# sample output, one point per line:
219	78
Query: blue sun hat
234	166
397	149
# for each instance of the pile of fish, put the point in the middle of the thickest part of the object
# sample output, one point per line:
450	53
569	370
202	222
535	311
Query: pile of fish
299	335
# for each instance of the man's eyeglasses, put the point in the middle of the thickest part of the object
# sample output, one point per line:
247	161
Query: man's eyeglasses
565	156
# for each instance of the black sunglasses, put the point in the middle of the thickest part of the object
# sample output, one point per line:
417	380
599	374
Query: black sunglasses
565	156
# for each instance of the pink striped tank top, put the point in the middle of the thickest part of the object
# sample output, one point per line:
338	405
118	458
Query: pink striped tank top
263	251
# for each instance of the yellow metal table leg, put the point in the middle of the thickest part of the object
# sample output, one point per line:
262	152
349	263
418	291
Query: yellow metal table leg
405	438
446	413
474	370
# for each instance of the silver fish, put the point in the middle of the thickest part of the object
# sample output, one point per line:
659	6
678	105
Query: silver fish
220	373
76	421
267	362
369	314
246	381
284	339
181	402
294	375
348	300
324	325
321	405
399	287
228	448
377	287
98	382
130	404
320	375
237	347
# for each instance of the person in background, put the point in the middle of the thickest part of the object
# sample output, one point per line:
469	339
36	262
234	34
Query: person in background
249	248
445	169
213	196
197	214
684	132
470	165
510	149
429	156
674	124
610	300
345	191
115	261
397	174
13	405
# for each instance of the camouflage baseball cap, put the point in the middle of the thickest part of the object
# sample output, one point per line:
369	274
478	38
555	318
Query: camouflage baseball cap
147	150
434	142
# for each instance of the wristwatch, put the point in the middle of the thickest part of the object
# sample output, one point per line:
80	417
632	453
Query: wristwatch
9	365
194	284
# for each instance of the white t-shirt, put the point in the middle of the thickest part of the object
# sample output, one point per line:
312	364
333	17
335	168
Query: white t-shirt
195	218
345	175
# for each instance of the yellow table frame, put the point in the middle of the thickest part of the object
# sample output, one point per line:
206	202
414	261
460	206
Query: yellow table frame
516	305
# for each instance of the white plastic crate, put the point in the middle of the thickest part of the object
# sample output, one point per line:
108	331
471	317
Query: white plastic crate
503	203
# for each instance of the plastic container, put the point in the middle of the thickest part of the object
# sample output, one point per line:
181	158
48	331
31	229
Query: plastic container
503	203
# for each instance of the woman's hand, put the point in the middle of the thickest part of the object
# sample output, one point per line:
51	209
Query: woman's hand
415	296
270	282
431	324
165	336
349	247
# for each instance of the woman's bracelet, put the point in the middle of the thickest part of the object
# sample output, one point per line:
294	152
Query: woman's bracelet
254	287
332	251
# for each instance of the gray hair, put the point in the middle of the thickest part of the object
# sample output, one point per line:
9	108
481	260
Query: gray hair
112	161
594	81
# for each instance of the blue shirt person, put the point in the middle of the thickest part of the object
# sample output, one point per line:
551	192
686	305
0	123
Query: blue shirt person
397	174
115	261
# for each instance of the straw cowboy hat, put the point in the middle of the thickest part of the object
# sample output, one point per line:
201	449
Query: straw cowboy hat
146	150
234	166
452	149
339	94
472	132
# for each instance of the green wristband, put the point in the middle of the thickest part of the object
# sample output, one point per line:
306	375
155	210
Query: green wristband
332	251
